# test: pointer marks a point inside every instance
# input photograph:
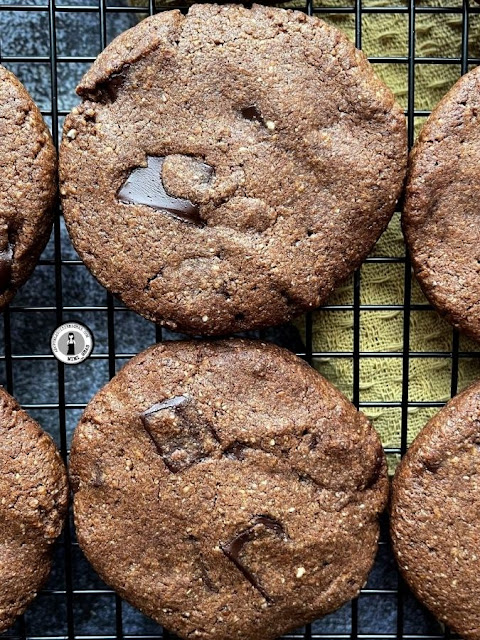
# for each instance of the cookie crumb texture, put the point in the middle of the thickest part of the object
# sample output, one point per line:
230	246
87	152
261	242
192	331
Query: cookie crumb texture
440	219
27	185
33	504
435	519
228	168
227	490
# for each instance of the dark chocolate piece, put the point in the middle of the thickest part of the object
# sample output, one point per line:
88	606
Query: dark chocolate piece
432	462
252	113
183	439
144	186
234	547
236	450
170	403
108	90
98	477
6	267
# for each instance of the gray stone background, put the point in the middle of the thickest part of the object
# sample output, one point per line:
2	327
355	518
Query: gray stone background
35	381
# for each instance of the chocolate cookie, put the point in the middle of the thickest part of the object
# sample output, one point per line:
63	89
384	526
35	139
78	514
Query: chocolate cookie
435	517
33	502
27	185
440	216
228	168
227	490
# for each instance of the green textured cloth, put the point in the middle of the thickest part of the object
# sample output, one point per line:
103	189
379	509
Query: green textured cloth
382	332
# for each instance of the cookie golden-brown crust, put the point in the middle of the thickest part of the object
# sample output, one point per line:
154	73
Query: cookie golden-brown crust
33	503
288	147
227	490
435	514
28	183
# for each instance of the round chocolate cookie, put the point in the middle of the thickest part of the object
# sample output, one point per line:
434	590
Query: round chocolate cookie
228	168
33	503
435	519
441	208
27	185
227	490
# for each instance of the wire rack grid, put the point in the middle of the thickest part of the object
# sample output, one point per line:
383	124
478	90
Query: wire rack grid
49	44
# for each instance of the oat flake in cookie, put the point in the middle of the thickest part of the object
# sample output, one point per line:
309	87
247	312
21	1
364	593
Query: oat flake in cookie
33	503
440	219
435	516
227	490
228	168
27	185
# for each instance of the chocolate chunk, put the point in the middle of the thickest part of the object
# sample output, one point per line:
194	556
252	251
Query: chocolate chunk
107	91
252	113
6	267
311	438
432	462
98	477
234	547
171	403
144	186
180	434
235	451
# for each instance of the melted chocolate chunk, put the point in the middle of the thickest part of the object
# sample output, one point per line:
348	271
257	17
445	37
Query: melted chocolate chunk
171	403
98	477
108	90
312	439
144	186
182	437
235	451
432	463
6	268
234	547
252	113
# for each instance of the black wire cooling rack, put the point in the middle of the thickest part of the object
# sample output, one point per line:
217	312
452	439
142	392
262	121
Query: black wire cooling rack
67	36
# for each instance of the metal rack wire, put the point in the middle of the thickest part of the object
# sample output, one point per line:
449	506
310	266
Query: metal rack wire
75	603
